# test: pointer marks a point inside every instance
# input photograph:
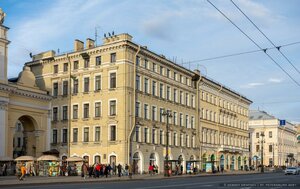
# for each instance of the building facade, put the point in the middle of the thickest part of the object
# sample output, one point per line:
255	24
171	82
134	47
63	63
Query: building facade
24	109
278	142
119	102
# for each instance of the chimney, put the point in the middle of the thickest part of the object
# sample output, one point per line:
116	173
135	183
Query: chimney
90	43
78	45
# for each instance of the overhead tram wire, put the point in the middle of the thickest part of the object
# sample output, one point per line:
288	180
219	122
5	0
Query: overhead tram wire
265	50
277	47
236	54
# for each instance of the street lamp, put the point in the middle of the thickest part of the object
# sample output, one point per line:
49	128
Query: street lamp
167	114
262	151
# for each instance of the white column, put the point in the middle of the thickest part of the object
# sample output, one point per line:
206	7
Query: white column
3	128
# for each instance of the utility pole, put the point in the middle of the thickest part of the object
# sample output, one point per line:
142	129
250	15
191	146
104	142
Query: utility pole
167	114
262	151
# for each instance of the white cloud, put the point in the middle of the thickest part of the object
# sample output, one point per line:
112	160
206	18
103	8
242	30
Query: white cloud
275	80
252	85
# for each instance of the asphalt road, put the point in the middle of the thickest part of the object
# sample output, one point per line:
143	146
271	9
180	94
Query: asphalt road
270	180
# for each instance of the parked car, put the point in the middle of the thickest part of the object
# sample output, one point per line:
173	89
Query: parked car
291	171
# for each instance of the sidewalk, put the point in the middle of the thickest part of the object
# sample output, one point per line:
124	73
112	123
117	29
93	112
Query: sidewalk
37	180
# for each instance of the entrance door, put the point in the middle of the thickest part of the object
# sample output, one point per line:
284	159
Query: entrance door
136	160
232	163
222	162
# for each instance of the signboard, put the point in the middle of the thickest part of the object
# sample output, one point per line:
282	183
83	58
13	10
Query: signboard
281	122
208	167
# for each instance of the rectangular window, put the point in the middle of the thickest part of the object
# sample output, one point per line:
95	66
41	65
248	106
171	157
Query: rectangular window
112	133
168	73
186	99
175	139
75	111
55	69
98	83
146	109
181	120
65	88
97	109
146	64
137	134
113	80
113	57
257	135
146	85
86	111
137	60
98	60
86	63
75	135
161	70
112	107
161	90
161	111
154	67
65	136
153	136
75	86
146	135
138	82
86	134
154	88
181	139
175	76
66	65
65	112
270	148
175	95
175	118
187	121
97	134
55	89
75	65
161	137
270	134
192	122
153	113
257	148
137	109
54	137
168	93
55	114
86	84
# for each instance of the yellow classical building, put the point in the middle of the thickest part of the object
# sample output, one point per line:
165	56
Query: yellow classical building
24	109
119	102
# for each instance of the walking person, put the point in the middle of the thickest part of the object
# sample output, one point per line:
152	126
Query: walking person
105	170
126	170
23	172
119	170
150	169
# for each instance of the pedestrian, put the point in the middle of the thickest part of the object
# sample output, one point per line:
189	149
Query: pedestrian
126	169
119	170
222	169
109	170
130	171
150	169
105	171
23	172
181	169
218	169
97	170
84	170
4	169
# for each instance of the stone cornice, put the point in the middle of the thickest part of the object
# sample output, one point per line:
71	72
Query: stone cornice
21	92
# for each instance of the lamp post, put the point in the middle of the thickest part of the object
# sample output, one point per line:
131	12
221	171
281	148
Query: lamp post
167	114
262	151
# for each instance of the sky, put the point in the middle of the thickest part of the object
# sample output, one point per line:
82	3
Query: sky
186	31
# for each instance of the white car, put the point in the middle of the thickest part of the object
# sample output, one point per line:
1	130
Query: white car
291	170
